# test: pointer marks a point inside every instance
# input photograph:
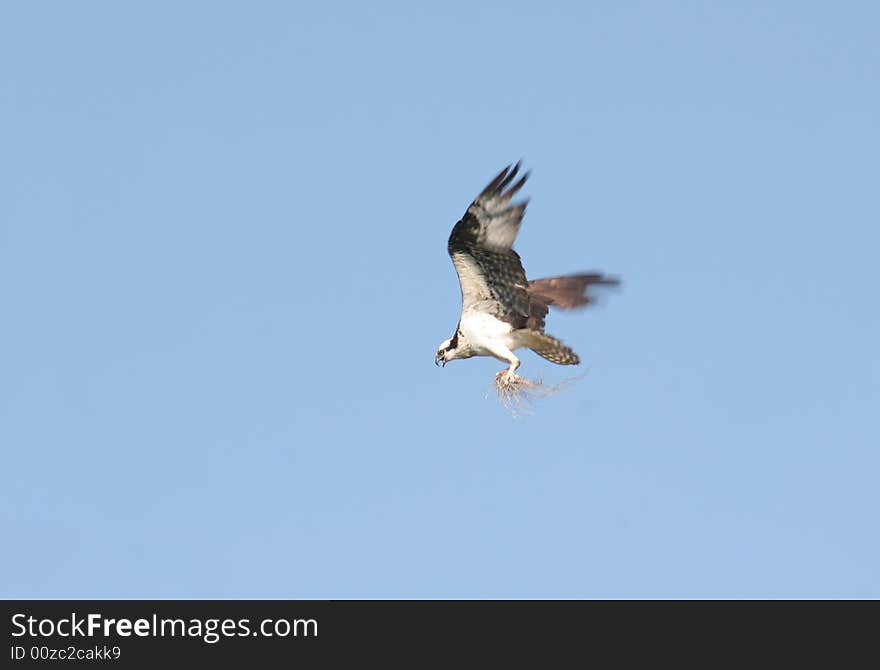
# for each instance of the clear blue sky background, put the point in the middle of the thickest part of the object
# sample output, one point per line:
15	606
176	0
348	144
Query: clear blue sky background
223	277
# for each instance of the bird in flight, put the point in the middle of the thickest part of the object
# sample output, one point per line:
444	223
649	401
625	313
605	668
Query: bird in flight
501	310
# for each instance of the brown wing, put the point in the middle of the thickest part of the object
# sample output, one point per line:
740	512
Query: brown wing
566	292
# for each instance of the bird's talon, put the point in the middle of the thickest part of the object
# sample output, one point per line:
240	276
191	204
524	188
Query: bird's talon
506	377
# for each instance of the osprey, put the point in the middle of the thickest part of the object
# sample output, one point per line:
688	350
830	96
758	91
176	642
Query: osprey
501	310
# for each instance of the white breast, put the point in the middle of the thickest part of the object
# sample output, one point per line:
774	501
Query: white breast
484	333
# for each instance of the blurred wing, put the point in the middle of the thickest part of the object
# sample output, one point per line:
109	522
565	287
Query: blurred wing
565	292
489	270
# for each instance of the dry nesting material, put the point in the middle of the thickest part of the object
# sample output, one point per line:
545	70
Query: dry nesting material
518	394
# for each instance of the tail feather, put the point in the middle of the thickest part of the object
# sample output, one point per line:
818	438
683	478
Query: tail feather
548	347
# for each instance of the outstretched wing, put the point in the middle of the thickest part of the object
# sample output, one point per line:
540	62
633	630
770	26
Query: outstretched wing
489	270
566	292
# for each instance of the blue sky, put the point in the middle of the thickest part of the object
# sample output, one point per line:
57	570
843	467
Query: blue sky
223	277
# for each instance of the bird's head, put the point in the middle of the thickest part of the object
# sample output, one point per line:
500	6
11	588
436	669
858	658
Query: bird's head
448	351
442	356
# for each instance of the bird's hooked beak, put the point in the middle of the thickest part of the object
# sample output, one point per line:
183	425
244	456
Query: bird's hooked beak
440	359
